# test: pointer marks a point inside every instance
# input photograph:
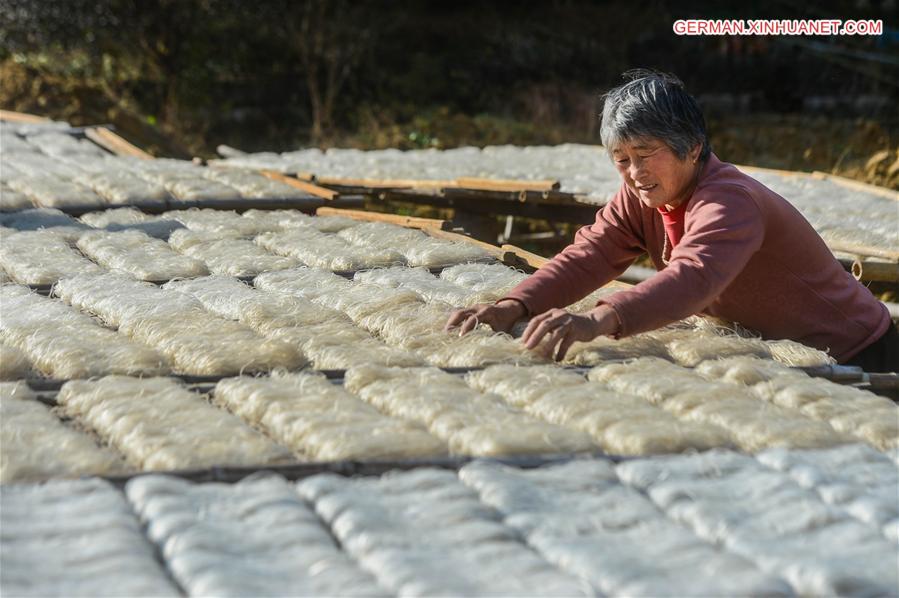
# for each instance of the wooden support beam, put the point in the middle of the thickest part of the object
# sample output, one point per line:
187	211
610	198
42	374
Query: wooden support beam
506	184
376	184
407	221
868	271
109	140
526	257
317	191
22	117
857	185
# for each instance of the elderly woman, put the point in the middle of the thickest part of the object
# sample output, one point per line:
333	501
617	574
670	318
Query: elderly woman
724	245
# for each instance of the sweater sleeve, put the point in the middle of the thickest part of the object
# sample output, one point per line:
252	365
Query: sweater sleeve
723	229
600	252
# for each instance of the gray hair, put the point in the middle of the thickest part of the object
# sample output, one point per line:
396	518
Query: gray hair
653	104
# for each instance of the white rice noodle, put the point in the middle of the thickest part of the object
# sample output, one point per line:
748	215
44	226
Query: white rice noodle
14	364
753	424
195	341
796	354
41	257
227	222
422	282
496	279
417	248
63	343
139	254
124	188
589	302
93	534
252	184
131	219
320	250
256	537
521	386
187	183
160	425
53	192
698	347
276	220
12	200
312	416
233	257
471	423
38	446
44	218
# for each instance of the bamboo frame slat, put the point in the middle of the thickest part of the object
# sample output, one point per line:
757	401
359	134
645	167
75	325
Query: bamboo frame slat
311	189
114	143
381	183
488	184
406	221
875	271
857	185
864	250
22	117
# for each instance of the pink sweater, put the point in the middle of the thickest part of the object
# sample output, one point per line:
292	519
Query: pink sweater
747	256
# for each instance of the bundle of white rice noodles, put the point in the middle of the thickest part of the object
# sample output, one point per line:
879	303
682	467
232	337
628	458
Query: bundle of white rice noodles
160	425
119	219
189	184
50	191
275	220
227	222
310	414
64	343
470	422
12	200
38	446
252	184
229	257
417	248
41	257
177	325
14	364
302	282
45	218
139	254
495	279
419	280
320	250
123	188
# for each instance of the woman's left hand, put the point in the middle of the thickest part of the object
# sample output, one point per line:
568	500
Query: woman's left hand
562	329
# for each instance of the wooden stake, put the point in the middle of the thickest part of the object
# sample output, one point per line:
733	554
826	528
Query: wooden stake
309	188
21	117
109	140
507	184
407	221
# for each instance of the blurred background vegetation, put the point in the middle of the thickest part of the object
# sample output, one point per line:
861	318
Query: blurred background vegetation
181	76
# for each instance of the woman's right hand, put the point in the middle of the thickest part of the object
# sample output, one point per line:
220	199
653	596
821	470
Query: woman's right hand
499	316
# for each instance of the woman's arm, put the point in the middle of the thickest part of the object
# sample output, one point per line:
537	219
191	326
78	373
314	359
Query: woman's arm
600	252
723	230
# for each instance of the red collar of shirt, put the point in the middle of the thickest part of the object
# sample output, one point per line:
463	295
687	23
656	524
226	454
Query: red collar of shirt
674	222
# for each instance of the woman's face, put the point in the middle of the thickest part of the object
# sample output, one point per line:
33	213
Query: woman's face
655	173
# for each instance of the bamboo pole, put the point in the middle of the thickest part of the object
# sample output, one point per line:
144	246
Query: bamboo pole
406	221
507	184
875	271
864	250
22	117
114	143
317	191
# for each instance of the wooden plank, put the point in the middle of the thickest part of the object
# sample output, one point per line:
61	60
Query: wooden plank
507	184
531	259
381	183
109	140
22	117
407	221
857	185
493	250
317	191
